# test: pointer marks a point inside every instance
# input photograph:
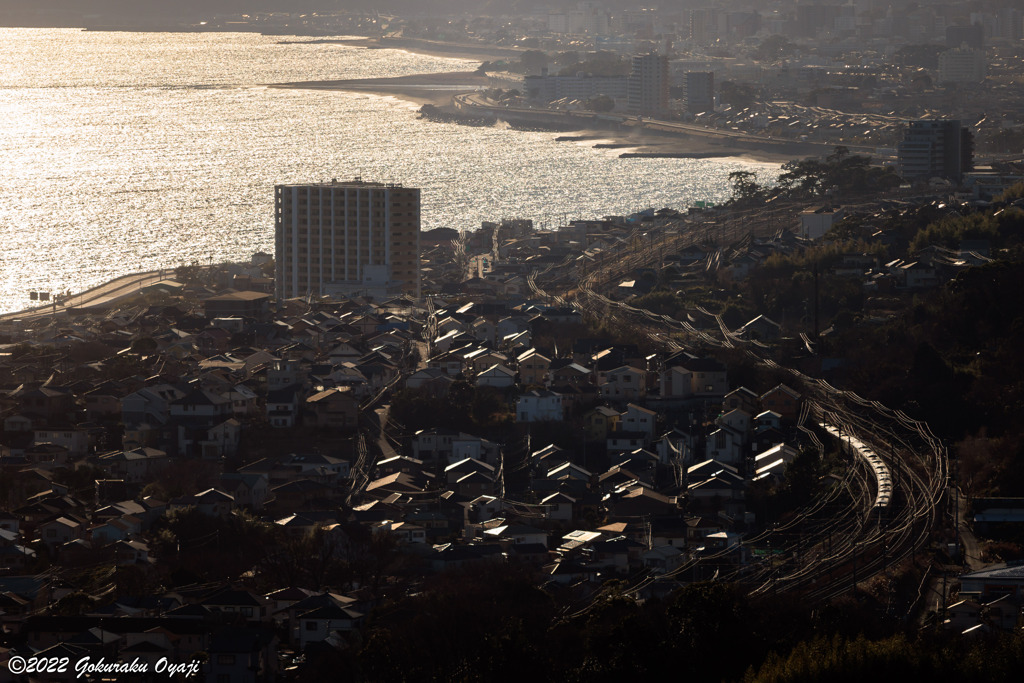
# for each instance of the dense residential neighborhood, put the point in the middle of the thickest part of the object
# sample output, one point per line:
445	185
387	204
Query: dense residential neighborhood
187	475
775	439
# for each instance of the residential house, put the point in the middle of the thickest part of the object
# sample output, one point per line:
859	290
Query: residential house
1000	579
150	405
566	372
815	221
102	403
779	453
247	490
318	624
559	506
458	470
59	531
299	494
283	406
469	446
194	414
482	328
241	656
479	359
639	419
918	275
474	484
539	406
533	368
246	605
743	399
618	554
74	441
687	377
117	529
784	401
679	442
624	383
662	559
727	445
637	501
130	553
570	471
516	534
767	419
622	440
761	328
719	492
325	469
243	400
497	376
46	455
333	409
201	405
243	304
44	403
434	381
599	422
211	502
135	466
433	444
737	419
216	442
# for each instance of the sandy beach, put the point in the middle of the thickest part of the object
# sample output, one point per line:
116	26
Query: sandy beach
478	53
422	89
438	89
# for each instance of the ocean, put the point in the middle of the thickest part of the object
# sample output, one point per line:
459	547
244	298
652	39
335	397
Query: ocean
122	152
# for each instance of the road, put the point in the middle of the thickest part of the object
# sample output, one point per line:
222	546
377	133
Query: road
476	101
102	295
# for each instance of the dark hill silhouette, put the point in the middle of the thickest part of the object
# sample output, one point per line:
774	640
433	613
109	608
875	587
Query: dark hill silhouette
96	12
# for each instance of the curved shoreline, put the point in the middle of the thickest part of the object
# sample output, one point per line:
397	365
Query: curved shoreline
438	89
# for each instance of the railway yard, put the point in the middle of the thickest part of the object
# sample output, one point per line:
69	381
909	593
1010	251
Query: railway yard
888	505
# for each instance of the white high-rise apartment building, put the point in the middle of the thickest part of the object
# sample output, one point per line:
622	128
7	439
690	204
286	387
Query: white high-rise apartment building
349	238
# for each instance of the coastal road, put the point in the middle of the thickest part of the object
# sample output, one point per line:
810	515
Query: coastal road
477	102
102	295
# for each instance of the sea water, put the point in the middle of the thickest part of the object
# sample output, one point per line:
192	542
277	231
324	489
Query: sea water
122	152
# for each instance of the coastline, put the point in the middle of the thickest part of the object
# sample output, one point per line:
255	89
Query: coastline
438	90
433	48
429	88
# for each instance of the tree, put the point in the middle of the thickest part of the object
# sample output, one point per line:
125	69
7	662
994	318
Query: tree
925	56
144	346
745	189
738	95
600	103
189	274
921	81
532	61
773	48
1012	193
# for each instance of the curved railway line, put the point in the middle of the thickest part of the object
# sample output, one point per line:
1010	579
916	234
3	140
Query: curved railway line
883	510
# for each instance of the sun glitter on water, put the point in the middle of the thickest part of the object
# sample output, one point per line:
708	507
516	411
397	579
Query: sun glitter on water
131	151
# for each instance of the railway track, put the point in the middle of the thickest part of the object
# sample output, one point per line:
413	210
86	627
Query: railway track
883	510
